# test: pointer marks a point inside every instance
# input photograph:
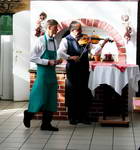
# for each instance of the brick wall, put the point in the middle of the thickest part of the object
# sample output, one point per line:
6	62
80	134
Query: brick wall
107	100
61	114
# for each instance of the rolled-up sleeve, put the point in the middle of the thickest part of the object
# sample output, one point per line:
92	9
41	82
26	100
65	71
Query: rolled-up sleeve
37	52
96	48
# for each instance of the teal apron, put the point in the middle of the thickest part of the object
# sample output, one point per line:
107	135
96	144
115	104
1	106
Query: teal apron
43	96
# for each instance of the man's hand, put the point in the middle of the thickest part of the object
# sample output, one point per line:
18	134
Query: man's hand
59	61
75	58
51	62
55	62
107	40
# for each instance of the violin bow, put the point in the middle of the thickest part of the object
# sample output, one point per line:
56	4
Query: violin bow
85	49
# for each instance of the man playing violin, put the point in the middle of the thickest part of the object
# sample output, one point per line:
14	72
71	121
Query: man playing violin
77	94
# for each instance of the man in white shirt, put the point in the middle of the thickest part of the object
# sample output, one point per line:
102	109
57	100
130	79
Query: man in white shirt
77	94
43	95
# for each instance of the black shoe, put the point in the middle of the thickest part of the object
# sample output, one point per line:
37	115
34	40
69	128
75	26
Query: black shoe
49	128
73	122
26	119
139	148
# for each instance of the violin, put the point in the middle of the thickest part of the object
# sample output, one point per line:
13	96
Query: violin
94	39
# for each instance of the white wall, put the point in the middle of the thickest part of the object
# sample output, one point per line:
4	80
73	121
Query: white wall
21	49
109	12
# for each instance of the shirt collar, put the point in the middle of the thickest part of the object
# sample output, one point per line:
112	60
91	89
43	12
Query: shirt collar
73	35
49	38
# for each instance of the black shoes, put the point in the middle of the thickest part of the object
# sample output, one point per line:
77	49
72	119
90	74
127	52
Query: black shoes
84	121
46	125
48	128
26	119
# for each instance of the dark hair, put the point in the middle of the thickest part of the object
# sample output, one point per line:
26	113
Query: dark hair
43	14
73	25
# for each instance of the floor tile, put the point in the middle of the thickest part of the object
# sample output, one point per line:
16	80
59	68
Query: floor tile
15	136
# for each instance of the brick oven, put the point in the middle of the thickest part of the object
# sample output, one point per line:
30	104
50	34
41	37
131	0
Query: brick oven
96	108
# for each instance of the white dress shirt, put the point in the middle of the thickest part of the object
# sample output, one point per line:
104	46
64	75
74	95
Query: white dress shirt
109	48
96	49
39	48
63	47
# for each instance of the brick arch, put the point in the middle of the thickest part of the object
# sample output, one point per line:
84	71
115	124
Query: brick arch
101	25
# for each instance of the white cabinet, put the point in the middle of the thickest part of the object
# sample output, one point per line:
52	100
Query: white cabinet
21	53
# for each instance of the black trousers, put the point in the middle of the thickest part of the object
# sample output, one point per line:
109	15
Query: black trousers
77	94
77	99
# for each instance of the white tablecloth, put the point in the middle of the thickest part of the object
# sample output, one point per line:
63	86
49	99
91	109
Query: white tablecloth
112	76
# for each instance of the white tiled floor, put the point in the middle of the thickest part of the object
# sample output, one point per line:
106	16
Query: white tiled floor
14	136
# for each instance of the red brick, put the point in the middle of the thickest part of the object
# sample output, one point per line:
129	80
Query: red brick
60	100
61	109
60	118
62	104
61	91
63	113
61	83
56	113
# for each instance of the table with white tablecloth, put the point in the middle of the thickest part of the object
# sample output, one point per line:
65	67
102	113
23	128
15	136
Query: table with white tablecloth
115	75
